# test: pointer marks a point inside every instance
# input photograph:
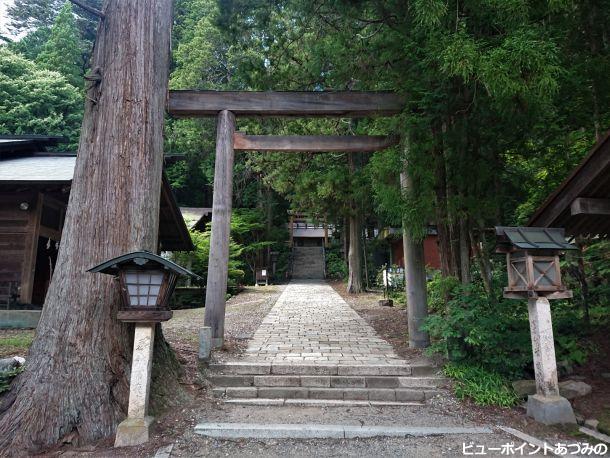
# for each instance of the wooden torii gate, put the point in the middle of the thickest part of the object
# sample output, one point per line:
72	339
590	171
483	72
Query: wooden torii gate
226	105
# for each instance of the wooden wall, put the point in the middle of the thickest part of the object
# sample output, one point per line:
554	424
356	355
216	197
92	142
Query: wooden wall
431	254
19	234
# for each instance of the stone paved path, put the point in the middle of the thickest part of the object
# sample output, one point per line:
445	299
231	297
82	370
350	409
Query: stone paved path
311	324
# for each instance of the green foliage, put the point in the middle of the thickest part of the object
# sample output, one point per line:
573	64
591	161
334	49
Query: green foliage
484	387
475	330
62	50
248	230
596	264
399	297
336	267
36	101
7	376
493	333
248	244
32	20
32	14
439	290
31	45
198	259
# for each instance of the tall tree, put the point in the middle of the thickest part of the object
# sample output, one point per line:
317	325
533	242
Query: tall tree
28	15
62	50
75	382
33	19
37	101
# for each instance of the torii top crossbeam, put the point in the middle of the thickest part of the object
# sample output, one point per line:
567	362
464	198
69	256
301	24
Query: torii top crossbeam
352	104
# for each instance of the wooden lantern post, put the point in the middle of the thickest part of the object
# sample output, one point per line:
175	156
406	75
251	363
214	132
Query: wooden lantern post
534	274
147	281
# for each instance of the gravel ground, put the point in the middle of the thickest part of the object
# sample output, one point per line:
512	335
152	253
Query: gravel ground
244	314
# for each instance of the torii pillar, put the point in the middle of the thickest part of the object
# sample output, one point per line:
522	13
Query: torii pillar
218	264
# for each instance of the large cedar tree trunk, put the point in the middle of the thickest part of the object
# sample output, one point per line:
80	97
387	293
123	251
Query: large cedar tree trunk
75	384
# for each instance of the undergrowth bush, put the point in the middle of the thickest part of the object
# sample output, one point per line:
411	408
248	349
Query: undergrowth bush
336	268
7	376
470	327
482	386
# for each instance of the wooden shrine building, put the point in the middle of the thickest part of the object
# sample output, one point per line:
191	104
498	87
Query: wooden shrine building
34	190
581	204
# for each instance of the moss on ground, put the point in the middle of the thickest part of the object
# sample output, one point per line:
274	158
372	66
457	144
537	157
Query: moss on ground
15	343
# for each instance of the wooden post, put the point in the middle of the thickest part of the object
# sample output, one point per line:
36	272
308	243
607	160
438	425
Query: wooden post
28	270
415	280
291	231
218	264
325	232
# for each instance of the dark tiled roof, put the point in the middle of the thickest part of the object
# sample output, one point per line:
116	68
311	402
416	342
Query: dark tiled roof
533	238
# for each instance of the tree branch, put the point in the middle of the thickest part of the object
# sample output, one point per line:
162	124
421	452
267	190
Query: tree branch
89	9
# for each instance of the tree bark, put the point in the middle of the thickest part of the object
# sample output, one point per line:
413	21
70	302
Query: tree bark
482	260
76	379
354	282
440	191
581	276
345	241
464	251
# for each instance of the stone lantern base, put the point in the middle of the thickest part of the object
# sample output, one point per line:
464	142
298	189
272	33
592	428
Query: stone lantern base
550	410
133	431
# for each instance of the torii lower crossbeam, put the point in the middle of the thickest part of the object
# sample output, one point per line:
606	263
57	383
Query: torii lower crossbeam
313	143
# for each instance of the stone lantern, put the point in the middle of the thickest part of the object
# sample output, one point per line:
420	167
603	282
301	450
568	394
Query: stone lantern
532	260
146	281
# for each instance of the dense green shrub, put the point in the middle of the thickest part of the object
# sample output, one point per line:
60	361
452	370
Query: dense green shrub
491	332
482	386
7	376
336	268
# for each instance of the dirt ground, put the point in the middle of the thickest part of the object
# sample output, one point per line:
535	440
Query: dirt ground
244	314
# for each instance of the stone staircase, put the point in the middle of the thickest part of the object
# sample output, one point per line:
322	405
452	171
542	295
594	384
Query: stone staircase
324	384
308	262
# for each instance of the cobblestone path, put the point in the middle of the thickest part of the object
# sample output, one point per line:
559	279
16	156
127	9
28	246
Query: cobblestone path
310	323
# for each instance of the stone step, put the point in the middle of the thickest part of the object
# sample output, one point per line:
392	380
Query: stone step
401	368
317	402
240	431
326	381
345	394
